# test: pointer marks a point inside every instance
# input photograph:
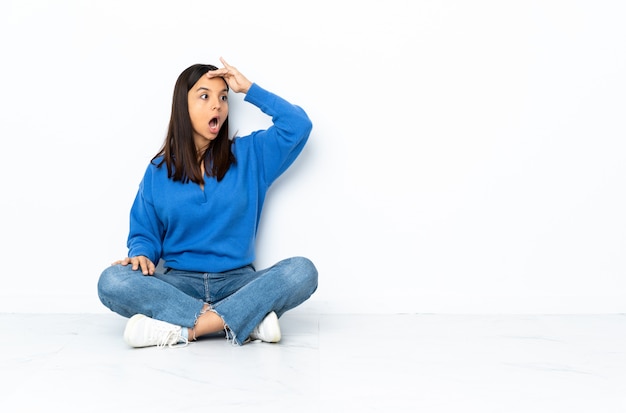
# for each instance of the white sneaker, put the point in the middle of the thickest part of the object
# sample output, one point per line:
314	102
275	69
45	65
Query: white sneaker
143	331
268	330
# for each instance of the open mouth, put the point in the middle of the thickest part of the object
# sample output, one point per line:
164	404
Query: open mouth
214	125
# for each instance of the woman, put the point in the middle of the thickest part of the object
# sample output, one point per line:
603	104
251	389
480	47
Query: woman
197	209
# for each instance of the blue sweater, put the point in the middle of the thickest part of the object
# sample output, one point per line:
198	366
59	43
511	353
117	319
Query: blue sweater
214	230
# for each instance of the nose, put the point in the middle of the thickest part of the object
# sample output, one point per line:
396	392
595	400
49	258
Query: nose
216	105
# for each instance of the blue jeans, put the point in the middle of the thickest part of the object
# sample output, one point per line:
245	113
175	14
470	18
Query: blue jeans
242	297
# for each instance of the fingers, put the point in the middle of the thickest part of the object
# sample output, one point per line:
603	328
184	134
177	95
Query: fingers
147	266
226	65
125	261
149	270
220	72
217	73
235	80
227	70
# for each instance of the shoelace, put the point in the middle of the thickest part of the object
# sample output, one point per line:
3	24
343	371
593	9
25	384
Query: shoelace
171	339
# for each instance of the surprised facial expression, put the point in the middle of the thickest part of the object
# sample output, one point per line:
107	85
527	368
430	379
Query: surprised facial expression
208	109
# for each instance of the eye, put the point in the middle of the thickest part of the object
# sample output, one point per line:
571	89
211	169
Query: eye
224	98
204	96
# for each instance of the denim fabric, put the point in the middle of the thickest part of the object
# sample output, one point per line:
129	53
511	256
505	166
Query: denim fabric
242	297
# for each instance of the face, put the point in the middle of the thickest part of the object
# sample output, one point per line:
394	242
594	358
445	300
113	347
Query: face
208	109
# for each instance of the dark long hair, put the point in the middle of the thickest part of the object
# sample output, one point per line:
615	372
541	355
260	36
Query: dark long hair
179	151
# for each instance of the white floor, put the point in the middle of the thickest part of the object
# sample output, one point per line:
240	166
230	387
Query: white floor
325	363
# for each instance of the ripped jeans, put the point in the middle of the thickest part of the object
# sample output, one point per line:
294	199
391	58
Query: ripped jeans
242	297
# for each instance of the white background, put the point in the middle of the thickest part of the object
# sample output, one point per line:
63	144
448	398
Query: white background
466	157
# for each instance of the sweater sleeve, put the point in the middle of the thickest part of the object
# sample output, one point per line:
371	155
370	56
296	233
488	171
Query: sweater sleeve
144	237
278	146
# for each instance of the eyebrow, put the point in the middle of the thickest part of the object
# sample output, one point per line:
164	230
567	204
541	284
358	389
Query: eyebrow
201	88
